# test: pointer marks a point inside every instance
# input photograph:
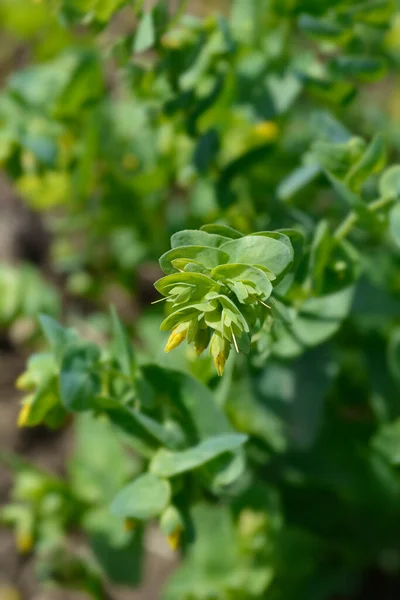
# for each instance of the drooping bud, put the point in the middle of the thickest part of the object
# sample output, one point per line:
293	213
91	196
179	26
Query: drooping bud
24	413
201	340
219	349
24	542
176	337
171	524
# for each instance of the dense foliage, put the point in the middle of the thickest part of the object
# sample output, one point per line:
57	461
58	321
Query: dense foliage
264	140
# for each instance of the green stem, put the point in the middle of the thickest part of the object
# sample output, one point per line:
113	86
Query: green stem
179	12
347	225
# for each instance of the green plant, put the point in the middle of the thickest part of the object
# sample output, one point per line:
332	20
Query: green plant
252	141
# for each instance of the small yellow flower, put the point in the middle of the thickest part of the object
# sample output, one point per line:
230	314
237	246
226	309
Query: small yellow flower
219	362
266	130
199	349
24	413
201	341
174	539
175	339
24	542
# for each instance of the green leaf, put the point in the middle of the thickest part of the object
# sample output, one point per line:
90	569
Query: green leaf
297	180
79	381
387	442
394	221
199	414
145	35
284	91
244	273
318	320
374	12
169	464
260	250
223	230
119	553
394	354
372	161
57	336
239	167
99	465
324	29
145	498
171	438
329	90
44	400
297	242
250	416
320	253
389	184
206	150
365	68
197	237
122	348
202	255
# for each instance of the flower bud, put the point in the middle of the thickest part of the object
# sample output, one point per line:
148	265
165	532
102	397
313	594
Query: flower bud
219	349
24	542
171	524
176	337
201	340
24	413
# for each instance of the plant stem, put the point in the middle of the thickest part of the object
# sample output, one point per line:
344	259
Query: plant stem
348	223
179	12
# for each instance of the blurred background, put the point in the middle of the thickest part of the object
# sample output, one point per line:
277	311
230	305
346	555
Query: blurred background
114	135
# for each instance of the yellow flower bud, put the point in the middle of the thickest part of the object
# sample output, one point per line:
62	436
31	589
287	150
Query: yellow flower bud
219	362
219	349
176	338
172	526
266	130
174	539
201	340
24	542
24	414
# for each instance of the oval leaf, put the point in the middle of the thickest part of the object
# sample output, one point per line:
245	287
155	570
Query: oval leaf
394	220
223	230
204	255
264	250
145	498
196	237
169	464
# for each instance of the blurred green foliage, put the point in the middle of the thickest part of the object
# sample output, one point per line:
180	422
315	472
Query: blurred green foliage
131	125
